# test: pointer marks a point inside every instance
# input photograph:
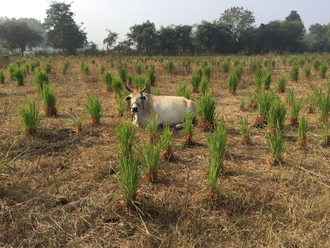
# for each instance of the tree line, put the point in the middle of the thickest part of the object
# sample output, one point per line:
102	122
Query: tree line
234	32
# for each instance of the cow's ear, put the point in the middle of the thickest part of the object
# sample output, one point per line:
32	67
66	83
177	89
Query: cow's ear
128	98
144	98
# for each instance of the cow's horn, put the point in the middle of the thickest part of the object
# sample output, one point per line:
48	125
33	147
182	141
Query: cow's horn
141	91
129	90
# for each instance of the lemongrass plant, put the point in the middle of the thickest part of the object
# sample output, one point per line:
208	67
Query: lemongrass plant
276	115
302	132
275	142
166	143
188	128
182	90
40	78
94	108
107	79
77	121
19	76
151	156
2	77
232	82
217	146
30	117
125	133
128	178
206	111
324	107
281	84
49	100
151	127
245	130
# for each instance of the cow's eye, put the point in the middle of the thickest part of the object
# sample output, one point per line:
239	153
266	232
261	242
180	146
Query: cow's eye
141	97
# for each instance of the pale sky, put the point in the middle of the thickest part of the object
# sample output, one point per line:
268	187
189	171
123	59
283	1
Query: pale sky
119	15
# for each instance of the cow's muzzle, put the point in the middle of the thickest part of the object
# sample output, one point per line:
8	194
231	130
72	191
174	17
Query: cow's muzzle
135	109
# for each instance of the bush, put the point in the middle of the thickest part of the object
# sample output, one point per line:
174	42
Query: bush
19	76
294	73
195	79
281	84
233	82
117	87
169	66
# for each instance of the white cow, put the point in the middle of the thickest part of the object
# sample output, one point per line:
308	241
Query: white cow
28	53
169	109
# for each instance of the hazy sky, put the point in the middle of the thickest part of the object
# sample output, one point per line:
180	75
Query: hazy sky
118	16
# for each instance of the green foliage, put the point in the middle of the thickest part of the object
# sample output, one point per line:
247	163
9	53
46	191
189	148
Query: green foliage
245	129
107	79
169	66
94	108
265	100
316	64
302	128
117	86
40	78
276	114
233	82
281	84
206	108
294	73
30	117
2	77
324	107
217	146
266	79
188	127
182	90
129	177
323	69
204	86
19	76
65	66
195	79
306	71
92	61
49	100
275	144
296	105
34	64
206	72
156	91
225	66
139	82
125	133
151	78
84	67
48	67
122	71
151	155
11	70
102	70
62	31
138	69
151	127
166	139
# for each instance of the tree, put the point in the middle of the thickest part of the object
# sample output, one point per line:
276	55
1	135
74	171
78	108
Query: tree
18	35
143	36
270	37
62	31
166	40
183	38
293	31
240	23
212	37
111	39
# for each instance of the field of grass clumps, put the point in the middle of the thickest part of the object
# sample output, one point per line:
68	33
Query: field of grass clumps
254	171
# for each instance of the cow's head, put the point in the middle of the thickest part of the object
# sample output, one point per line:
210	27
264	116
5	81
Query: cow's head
136	97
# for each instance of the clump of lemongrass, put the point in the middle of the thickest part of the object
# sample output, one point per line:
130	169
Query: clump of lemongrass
40	78
128	178
294	73
120	106
196	79
30	117
266	79
165	138
204	86
233	82
306	71
281	84
310	104
324	107
188	128
125	133
217	146
151	127
49	100
107	79
245	130
2	77
94	108
19	76
182	90
275	142
276	115
302	132
206	111
265	99
242	103
76	120
151	156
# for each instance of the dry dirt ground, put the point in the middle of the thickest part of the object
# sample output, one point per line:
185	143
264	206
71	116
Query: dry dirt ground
63	192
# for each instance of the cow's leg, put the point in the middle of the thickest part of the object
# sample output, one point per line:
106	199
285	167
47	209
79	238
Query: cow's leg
178	126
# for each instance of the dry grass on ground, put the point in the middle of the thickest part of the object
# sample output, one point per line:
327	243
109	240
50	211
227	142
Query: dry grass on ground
63	191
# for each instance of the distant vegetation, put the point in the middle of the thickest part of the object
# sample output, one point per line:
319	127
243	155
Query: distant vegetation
234	32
